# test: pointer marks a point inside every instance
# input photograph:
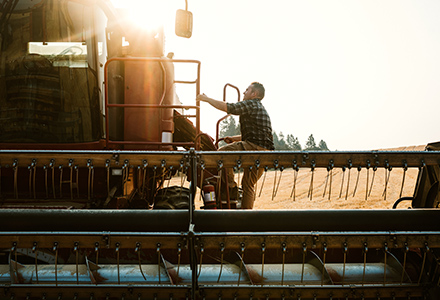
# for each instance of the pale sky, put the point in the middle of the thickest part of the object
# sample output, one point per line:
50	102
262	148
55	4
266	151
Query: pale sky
359	74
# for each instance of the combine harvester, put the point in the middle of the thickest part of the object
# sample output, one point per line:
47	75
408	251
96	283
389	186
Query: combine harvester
91	133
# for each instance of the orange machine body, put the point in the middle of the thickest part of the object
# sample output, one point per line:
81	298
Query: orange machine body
148	85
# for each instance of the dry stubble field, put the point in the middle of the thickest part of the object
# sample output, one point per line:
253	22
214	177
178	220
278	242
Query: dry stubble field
356	198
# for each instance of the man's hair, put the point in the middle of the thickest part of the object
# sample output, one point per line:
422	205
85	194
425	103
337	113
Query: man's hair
259	88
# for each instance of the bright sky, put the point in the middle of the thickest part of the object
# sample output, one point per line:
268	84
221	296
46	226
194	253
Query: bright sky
359	74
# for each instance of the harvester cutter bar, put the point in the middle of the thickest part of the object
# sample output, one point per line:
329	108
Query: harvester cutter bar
23	158
320	159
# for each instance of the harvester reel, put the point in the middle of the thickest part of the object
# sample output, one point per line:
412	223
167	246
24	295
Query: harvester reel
177	252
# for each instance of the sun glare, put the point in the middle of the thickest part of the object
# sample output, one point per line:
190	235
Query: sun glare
145	14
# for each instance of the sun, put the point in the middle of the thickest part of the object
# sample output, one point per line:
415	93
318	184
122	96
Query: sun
146	14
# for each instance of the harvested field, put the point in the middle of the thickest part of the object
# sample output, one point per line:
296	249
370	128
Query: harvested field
338	195
353	190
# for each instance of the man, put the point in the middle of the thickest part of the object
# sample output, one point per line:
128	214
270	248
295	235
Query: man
256	135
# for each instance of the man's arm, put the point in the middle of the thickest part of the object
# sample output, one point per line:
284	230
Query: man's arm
216	103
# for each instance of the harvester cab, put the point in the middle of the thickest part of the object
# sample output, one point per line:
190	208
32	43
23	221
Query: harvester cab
80	75
92	133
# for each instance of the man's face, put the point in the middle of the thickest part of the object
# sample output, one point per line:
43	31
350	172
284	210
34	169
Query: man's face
249	93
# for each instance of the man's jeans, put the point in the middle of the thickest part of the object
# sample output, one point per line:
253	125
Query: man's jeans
250	178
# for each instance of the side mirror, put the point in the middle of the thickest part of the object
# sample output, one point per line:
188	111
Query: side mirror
184	23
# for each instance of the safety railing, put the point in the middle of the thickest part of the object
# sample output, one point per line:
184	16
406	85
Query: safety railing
217	135
160	105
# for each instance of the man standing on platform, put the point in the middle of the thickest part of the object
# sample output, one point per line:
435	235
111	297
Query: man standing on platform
256	135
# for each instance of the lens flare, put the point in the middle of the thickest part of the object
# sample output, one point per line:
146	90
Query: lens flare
144	14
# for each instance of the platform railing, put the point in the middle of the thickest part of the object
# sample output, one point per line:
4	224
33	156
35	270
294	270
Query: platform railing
160	105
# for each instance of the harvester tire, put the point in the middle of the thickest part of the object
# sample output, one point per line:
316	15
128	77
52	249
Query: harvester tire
174	197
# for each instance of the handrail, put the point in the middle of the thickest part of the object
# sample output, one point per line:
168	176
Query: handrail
224	100
159	106
233	86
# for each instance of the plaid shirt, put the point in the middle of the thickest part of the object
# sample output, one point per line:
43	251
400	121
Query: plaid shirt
255	122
